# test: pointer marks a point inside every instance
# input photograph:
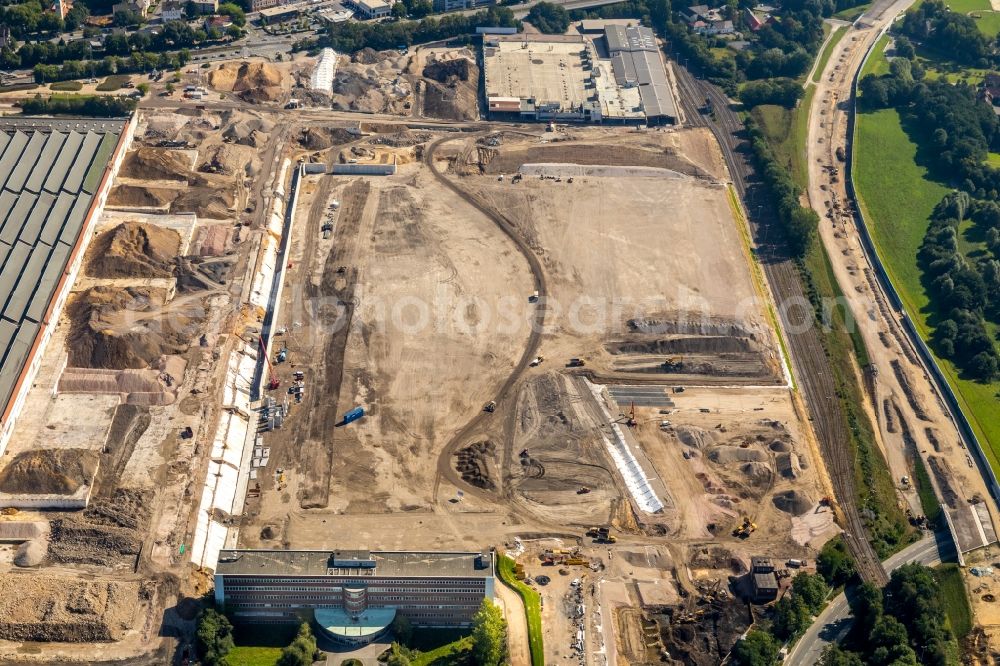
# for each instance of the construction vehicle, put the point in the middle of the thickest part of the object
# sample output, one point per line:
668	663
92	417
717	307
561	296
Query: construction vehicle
576	363
747	528
272	382
536	361
673	363
631	416
490	407
576	561
282	355
593	532
583	490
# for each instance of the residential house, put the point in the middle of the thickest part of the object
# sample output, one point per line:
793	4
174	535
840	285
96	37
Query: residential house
695	13
755	19
138	6
172	11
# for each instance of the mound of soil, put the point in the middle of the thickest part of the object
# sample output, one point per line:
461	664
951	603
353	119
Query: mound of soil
157	164
779	446
793	501
135	196
31	553
133	249
444	71
249	132
789	465
757	473
728	454
65	609
94	342
49	472
473	463
321	138
695	437
252	81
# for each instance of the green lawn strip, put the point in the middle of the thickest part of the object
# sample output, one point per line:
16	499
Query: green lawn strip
18	87
925	491
852	13
877	63
113	82
955	599
828	51
69	86
253	656
993	159
988	23
450	654
966	6
897	198
532	608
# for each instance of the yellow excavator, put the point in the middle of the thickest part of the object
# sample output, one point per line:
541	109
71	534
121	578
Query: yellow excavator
746	529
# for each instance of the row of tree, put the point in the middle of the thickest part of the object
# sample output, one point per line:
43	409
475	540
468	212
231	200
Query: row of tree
137	62
351	36
901	625
97	106
549	18
778	91
798	222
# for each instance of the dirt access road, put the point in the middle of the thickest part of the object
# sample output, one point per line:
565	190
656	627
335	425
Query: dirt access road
911	417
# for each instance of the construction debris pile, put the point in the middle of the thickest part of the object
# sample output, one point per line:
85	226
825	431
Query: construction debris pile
254	82
65	609
372	83
108	533
451	86
703	632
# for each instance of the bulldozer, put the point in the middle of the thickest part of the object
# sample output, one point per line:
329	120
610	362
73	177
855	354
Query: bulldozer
746	529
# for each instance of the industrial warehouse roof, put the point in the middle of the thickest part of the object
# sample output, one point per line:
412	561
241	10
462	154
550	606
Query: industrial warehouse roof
321	563
49	174
636	62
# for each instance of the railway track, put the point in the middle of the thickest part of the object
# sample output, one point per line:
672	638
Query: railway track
445	470
798	320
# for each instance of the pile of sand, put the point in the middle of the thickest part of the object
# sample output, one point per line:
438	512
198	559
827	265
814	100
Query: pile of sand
728	454
793	501
134	249
157	164
756	472
49	472
779	446
250	132
65	609
252	81
695	437
108	329
31	553
789	465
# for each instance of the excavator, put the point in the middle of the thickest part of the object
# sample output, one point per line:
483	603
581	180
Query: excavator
746	529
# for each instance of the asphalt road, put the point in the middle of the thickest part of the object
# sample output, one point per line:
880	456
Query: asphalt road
835	620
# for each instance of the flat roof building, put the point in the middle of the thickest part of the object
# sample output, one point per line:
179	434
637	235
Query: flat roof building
370	9
353	595
55	175
571	78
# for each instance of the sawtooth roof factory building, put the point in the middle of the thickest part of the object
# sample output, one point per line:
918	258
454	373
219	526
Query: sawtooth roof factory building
353	596
617	76
55	175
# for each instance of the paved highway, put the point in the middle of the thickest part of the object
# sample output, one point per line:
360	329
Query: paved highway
835	620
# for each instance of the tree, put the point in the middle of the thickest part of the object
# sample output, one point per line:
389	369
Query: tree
834	655
904	48
302	650
234	12
489	634
792	617
834	563
811	589
549	18
402	629
143	88
214	637
351	662
756	649
398	656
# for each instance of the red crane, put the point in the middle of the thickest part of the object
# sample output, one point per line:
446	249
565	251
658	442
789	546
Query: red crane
272	382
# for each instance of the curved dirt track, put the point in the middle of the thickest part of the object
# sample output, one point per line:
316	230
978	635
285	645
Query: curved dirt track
444	468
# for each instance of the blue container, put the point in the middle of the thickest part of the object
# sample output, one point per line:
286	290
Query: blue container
354	415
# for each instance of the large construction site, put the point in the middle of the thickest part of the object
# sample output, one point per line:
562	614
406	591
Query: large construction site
413	331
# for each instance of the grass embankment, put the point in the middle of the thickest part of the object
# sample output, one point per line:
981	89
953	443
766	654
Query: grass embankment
113	82
897	196
828	51
877	63
450	654
18	87
925	491
787	131
66	86
532	608
259	645
852	13
954	599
